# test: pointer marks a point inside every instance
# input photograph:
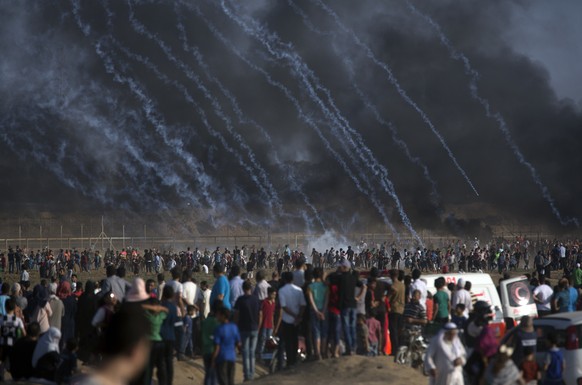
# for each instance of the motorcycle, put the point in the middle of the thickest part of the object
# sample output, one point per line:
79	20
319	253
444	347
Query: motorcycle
413	353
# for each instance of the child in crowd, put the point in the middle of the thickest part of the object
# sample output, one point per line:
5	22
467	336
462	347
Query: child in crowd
208	326
363	346
267	318
530	370
554	364
459	319
226	340
187	347
11	328
429	306
374	334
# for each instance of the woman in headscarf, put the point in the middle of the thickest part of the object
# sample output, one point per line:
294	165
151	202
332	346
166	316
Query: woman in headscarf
445	357
46	358
86	309
64	292
39	310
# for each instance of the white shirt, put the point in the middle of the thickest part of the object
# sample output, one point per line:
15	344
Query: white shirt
262	290
544	294
24	277
464	297
205	269
235	289
291	297
191	294
421	286
177	286
206	298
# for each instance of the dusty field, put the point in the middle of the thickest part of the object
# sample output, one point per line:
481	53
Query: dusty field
344	370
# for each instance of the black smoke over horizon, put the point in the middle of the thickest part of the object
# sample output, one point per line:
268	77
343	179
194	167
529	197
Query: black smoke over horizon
268	113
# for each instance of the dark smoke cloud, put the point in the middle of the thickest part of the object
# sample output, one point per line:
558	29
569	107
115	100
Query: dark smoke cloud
94	114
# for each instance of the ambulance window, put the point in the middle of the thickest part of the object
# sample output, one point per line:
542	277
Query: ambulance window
519	293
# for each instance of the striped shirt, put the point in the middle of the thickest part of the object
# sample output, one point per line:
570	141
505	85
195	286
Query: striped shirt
413	310
9	328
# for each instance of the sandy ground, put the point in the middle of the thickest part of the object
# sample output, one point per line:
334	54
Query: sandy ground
344	370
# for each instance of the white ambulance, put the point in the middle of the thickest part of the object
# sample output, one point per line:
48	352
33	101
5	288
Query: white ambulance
516	297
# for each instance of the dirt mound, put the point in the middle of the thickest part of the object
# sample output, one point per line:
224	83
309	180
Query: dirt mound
344	370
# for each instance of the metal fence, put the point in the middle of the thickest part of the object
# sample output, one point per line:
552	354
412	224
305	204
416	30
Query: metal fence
269	241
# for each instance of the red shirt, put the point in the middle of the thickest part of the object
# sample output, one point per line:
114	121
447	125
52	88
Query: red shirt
429	308
530	370
333	304
268	309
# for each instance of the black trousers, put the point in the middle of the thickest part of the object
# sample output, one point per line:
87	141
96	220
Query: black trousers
394	325
225	373
381	317
168	356
290	337
196	340
157	361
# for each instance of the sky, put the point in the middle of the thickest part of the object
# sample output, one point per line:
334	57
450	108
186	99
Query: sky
306	113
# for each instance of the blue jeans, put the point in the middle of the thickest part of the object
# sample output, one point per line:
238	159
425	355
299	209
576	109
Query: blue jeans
349	326
373	349
265	335
186	343
249	347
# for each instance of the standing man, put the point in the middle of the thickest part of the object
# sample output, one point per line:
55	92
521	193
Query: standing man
441	302
543	296
420	285
462	296
397	296
292	302
261	290
221	288
246	316
115	284
192	295
445	357
347	305
235	283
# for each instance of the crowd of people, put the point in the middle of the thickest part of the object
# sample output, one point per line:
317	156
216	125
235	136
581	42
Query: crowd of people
309	311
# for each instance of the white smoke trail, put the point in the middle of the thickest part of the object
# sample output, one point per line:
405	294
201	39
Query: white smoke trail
301	114
287	171
264	183
272	42
394	81
502	125
148	106
349	66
